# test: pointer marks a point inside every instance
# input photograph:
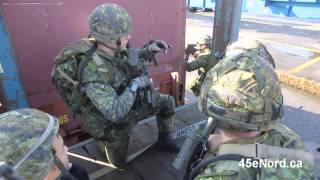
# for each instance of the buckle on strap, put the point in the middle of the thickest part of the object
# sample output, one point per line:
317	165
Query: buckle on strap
259	151
247	150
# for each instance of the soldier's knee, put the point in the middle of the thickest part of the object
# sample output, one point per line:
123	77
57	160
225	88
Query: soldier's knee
168	104
115	146
166	107
116	152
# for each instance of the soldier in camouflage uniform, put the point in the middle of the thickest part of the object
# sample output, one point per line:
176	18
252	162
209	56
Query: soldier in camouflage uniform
30	144
200	63
118	91
243	95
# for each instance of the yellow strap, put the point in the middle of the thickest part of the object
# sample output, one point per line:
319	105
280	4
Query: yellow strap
266	151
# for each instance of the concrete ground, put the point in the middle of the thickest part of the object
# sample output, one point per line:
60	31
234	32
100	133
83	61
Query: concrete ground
294	43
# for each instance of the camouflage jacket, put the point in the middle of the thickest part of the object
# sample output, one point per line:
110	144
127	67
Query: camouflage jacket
105	81
279	136
201	62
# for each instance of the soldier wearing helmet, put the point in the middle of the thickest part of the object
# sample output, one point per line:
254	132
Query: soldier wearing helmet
119	92
242	94
31	148
200	63
204	44
28	139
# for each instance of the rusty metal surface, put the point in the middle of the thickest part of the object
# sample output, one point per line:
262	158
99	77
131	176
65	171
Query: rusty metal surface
40	28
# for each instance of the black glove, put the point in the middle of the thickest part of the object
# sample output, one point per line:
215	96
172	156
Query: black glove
158	46
140	82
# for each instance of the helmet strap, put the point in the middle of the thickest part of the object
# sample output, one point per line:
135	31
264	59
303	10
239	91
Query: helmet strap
109	47
38	143
117	50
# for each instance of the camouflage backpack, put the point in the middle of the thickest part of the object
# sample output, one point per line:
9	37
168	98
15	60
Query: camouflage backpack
67	73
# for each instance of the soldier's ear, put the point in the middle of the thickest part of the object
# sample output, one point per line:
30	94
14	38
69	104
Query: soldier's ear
118	42
128	44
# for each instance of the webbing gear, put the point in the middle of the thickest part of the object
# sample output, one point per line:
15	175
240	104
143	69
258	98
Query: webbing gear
266	151
107	57
68	78
85	62
42	138
226	157
67	73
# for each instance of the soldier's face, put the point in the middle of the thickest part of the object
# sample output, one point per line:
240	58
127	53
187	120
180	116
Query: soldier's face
202	46
61	152
124	41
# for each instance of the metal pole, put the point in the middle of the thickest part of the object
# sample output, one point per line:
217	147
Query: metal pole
226	27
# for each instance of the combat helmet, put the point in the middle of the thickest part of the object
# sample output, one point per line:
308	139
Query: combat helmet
109	22
242	92
254	47
206	39
26	138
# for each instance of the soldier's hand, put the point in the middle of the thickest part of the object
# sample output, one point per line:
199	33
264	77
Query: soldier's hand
140	83
158	46
214	142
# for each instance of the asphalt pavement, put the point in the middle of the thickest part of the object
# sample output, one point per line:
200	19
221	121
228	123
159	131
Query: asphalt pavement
294	43
295	46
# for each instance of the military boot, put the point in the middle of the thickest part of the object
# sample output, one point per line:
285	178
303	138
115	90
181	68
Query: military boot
167	144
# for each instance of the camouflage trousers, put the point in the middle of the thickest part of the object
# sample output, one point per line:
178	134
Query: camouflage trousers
115	140
196	87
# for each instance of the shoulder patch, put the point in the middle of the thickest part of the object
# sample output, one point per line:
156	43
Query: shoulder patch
92	66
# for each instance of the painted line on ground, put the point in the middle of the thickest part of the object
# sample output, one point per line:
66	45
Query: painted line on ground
293	46
288	77
91	160
304	84
304	65
301	66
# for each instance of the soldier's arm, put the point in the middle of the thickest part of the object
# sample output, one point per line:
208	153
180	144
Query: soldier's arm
143	53
113	106
201	61
153	47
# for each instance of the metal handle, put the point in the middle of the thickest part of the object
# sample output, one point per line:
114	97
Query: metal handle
190	144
